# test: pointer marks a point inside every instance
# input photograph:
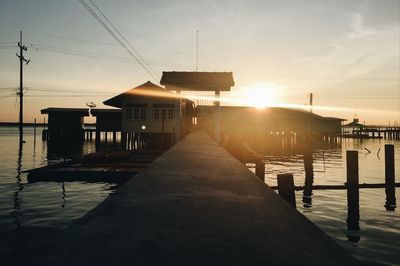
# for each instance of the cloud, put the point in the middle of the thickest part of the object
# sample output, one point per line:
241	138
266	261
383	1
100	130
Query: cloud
360	53
358	28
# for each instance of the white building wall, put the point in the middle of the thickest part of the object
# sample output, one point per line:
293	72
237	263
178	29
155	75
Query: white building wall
150	123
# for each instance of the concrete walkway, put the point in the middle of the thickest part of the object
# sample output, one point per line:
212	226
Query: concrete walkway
194	205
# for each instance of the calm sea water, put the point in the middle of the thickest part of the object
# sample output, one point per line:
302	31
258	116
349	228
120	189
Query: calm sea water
379	242
30	213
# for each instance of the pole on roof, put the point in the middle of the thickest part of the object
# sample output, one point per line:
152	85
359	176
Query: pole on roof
197	50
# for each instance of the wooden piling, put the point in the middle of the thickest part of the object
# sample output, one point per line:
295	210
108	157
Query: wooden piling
260	168
130	141
123	140
390	178
114	137
353	214
97	136
286	188
309	179
34	132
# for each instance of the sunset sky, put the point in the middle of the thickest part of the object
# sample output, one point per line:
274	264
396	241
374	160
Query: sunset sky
347	53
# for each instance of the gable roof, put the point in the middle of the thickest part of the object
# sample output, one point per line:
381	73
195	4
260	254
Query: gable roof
147	89
354	124
199	81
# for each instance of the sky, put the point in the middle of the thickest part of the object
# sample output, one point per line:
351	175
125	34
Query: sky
347	53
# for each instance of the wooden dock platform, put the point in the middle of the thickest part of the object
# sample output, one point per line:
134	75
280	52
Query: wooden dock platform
113	167
194	205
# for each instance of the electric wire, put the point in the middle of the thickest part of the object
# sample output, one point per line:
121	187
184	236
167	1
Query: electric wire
123	37
100	43
116	38
87	54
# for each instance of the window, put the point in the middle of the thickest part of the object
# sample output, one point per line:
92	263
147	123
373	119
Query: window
156	114
142	114
163	114
128	114
170	114
136	114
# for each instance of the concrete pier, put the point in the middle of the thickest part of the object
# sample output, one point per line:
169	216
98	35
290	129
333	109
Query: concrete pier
194	205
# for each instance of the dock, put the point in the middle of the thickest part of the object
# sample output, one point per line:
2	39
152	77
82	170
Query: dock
194	205
112	167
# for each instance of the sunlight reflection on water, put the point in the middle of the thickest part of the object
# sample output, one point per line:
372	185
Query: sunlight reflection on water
379	229
34	211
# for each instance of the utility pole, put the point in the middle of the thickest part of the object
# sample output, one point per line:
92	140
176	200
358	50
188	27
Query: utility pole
22	48
311	117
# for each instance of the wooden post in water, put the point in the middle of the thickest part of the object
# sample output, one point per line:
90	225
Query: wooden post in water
260	168
353	208
286	188
130	141
390	178
34	132
97	136
309	179
162	131
123	140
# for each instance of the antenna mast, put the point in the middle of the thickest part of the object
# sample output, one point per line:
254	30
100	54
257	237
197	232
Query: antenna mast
197	50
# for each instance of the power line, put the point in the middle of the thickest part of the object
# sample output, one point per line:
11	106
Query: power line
8	89
38	47
70	38
87	54
70	95
116	37
123	37
54	90
101	43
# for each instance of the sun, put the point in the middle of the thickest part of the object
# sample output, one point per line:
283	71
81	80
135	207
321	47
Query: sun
261	96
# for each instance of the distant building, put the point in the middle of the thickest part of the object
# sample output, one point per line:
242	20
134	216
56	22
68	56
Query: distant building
247	120
353	127
159	116
149	108
65	123
200	81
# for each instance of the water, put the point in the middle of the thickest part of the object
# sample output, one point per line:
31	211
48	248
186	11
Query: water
379	229
31	213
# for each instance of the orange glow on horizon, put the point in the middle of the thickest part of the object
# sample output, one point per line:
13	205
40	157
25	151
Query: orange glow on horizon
257	96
